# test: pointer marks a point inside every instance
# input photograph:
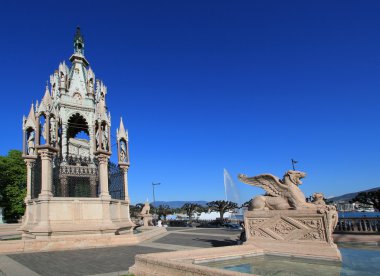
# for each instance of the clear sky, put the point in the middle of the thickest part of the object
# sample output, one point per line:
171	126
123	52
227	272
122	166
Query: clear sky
206	85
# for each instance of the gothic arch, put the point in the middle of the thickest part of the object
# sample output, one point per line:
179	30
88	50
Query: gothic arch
77	123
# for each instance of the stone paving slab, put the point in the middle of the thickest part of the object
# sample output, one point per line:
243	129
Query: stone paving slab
170	229
114	260
203	241
221	231
10	267
82	262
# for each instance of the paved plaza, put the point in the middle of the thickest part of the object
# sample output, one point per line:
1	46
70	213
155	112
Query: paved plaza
112	260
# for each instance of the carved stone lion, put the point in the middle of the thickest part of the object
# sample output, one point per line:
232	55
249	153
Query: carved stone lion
280	194
318	199
145	210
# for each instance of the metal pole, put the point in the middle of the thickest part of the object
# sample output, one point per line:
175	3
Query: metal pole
293	162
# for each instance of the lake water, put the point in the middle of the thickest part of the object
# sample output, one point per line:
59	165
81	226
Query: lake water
359	214
358	259
340	214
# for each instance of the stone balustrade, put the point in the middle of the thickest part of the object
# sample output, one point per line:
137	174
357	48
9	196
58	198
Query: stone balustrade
358	225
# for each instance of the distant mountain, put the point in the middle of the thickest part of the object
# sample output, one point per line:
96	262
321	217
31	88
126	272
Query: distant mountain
178	204
350	196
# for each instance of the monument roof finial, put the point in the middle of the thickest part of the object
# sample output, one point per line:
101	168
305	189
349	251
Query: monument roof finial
78	42
121	127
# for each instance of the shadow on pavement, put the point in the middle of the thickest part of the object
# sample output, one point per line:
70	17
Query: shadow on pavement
218	243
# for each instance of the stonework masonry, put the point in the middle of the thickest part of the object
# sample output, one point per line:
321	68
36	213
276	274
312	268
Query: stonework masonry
72	187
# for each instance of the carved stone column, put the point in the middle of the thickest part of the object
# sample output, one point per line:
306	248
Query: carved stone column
47	128
43	229
125	168
30	161
38	131
92	138
103	157
64	141
93	186
109	138
24	138
100	133
46	172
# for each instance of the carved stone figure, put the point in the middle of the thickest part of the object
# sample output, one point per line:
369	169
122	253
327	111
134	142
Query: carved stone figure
123	152
31	143
281	194
146	216
145	210
105	138
318	199
282	220
91	86
97	139
44	130
53	135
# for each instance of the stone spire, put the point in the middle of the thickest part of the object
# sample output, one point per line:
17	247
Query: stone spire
120	132
31	120
78	42
47	102
122	144
78	55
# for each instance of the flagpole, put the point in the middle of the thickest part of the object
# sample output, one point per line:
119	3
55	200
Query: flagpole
293	162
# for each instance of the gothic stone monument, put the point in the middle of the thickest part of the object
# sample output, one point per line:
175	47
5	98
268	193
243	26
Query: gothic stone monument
282	222
72	187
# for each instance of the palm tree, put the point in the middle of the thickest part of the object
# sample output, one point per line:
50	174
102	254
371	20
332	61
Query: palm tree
222	206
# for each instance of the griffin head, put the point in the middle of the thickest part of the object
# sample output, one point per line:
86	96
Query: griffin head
295	176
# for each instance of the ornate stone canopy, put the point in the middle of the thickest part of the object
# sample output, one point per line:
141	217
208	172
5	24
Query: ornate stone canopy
67	145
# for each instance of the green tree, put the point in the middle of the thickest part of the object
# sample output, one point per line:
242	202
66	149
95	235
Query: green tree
164	210
12	185
222	206
369	198
190	208
246	204
134	210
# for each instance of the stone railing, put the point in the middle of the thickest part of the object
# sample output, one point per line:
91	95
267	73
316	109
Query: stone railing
358	225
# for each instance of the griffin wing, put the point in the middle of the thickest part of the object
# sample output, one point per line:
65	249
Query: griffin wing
268	182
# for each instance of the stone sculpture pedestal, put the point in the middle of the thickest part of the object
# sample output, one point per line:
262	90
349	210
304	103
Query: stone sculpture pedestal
147	219
300	233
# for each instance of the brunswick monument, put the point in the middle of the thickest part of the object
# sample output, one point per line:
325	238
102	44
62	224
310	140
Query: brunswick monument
72	186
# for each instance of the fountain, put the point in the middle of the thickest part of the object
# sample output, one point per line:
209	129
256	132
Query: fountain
281	223
232	193
230	189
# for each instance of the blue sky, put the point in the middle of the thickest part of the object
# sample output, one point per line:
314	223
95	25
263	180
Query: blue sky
207	85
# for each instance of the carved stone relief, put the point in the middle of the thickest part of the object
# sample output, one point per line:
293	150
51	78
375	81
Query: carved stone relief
283	228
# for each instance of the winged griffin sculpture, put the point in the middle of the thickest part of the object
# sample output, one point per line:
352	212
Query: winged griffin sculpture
281	194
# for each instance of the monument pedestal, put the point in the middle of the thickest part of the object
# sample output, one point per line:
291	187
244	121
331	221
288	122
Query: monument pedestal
76	216
300	233
147	219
